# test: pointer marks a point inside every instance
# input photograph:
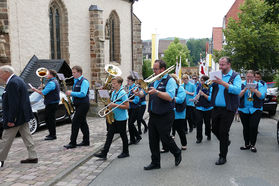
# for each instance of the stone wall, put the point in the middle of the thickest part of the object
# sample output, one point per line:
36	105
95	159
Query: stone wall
137	46
5	53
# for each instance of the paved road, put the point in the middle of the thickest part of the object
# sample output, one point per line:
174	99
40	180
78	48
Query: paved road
197	166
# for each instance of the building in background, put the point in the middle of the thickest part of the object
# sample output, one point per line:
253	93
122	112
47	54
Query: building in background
86	33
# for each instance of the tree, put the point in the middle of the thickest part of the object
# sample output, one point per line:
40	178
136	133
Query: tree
272	14
146	68
196	47
251	42
174	51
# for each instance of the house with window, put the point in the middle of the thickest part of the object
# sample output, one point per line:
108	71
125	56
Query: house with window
86	33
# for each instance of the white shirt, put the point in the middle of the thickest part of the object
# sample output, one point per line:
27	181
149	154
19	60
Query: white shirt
9	78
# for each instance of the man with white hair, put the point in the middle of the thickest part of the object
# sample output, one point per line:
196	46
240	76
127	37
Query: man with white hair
16	114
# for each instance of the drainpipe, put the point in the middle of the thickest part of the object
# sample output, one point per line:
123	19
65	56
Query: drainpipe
132	35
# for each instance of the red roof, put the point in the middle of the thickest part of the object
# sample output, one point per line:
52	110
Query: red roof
217	38
234	10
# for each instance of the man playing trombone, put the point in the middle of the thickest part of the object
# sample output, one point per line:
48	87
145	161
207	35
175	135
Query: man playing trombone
161	109
119	99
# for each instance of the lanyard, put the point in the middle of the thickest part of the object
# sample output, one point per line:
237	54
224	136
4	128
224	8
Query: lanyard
115	96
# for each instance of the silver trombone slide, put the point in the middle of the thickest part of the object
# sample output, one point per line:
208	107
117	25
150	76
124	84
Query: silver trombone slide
102	113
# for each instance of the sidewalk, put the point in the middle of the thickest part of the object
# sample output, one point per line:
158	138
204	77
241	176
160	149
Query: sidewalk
54	160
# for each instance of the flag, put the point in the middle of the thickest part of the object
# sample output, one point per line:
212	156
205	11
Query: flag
210	60
154	49
180	71
176	68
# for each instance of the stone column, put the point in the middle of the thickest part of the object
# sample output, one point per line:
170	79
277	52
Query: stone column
97	63
5	56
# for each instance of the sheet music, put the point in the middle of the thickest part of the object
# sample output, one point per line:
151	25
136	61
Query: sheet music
251	85
104	93
216	73
61	76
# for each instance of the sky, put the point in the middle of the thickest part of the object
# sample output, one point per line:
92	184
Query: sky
181	18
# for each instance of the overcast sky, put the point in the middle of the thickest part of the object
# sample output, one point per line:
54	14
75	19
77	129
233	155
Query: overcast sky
181	18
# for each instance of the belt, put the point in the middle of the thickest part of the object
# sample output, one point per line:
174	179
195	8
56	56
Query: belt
220	108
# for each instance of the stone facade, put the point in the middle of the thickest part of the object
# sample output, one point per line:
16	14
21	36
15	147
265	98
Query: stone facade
137	46
5	53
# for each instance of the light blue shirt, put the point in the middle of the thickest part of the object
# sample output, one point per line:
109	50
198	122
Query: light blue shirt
234	88
143	102
136	98
170	87
248	105
201	108
190	87
265	87
49	86
119	114
181	95
83	89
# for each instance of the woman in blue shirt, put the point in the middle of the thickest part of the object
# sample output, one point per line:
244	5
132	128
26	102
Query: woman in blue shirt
250	110
119	97
180	112
203	109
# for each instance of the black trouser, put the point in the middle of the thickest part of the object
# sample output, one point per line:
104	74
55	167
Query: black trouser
190	112
159	128
133	114
179	126
250	124
117	127
221	123
203	117
79	122
51	118
140	118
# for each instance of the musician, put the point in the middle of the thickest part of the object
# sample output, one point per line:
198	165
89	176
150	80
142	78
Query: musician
203	109
161	109
119	97
225	100
258	78
134	105
80	96
250	110
190	107
141	114
51	94
180	112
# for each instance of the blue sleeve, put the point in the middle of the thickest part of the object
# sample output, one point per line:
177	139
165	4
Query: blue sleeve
83	90
235	88
261	89
49	87
136	100
181	95
210	93
170	88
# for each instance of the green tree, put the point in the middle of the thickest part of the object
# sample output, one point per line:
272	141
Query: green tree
251	42
196	47
146	68
272	14
174	51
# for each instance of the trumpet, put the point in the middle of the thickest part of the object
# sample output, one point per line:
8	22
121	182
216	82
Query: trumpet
207	84
250	98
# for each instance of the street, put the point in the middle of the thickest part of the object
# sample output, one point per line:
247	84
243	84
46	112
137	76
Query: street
197	167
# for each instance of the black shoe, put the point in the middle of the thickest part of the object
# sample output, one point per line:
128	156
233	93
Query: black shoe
152	166
178	159
229	142
164	151
50	138
138	140
101	155
208	138
253	149
30	160
70	146
246	147
131	143
198	141
145	130
191	130
1	163
186	131
83	144
221	161
123	155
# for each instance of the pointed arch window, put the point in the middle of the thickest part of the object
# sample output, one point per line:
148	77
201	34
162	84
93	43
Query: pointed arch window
114	37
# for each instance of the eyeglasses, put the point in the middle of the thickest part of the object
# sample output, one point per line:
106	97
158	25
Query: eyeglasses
154	69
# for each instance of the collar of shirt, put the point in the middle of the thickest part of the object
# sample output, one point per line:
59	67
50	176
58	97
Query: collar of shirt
132	86
79	78
228	74
51	79
9	78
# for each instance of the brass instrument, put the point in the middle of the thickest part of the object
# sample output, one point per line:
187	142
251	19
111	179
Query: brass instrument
140	83
112	71
68	105
207	84
42	73
250	97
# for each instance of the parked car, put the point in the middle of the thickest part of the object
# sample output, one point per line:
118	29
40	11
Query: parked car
270	101
38	108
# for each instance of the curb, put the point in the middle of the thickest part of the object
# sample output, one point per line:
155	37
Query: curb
70	169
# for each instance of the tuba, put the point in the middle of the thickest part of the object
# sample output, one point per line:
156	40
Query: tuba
42	73
112	71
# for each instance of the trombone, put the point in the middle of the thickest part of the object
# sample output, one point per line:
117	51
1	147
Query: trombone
140	83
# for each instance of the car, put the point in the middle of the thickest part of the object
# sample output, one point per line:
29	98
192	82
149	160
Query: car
270	101
38	109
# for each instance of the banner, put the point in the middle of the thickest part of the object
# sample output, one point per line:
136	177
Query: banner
154	49
210	60
180	71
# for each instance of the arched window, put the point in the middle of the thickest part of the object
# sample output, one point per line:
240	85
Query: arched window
114	39
58	25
